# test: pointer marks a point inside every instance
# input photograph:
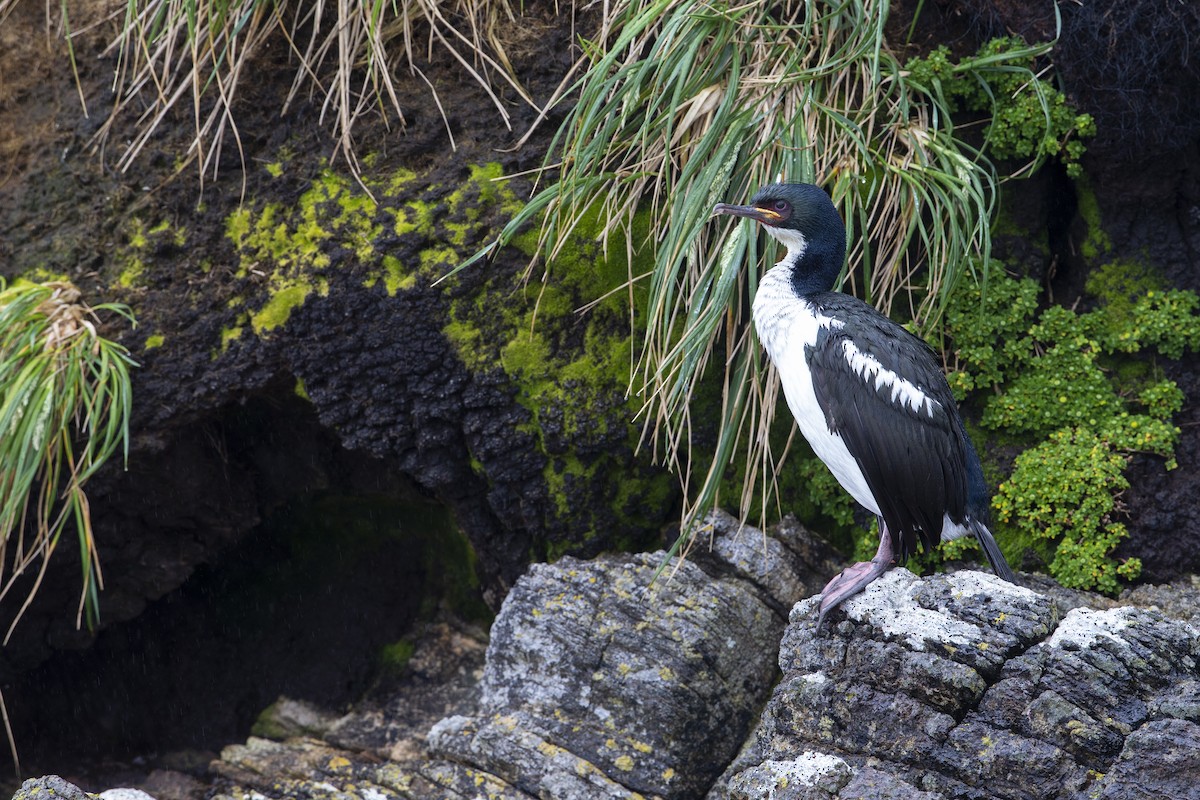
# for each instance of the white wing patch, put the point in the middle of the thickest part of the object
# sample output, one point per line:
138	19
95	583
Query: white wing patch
867	367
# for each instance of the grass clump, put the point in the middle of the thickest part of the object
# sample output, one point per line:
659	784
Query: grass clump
1061	384
685	105
64	411
201	53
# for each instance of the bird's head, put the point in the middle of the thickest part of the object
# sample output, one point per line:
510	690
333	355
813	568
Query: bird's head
801	216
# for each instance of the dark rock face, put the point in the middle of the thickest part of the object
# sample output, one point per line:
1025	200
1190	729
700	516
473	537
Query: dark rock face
963	686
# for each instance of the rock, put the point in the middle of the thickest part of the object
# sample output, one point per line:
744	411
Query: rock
440	678
786	565
1159	759
286	718
1179	599
599	684
125	793
809	775
169	784
964	686
50	787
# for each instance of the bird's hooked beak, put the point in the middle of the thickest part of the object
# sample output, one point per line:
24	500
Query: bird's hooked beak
764	215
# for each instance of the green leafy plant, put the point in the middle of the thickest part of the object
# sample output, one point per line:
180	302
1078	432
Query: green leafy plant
1060	384
64	410
685	105
1028	117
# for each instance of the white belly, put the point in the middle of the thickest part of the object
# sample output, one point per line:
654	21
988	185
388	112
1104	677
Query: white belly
785	326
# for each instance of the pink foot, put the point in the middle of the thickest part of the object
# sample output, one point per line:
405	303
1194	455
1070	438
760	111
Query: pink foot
854	579
849	582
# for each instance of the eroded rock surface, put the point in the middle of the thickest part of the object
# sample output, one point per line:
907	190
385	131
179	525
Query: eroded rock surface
598	682
601	684
964	686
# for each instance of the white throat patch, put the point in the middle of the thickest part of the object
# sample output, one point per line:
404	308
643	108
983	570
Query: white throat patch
795	241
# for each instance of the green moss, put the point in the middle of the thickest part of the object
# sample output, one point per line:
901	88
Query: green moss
279	307
437	261
395	277
300	390
134	257
237	226
482	189
274	169
399	181
154	340
571	371
137	234
394	658
468	341
229	336
131	275
43	275
414	217
1096	243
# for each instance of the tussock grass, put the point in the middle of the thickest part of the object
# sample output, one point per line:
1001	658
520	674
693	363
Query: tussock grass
202	54
64	411
685	105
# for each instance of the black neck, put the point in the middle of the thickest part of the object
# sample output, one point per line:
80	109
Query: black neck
817	268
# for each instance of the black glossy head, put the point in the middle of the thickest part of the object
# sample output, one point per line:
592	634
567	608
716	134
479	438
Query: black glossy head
804	219
791	206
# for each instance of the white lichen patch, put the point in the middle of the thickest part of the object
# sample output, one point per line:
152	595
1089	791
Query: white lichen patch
973	582
1084	627
808	769
815	678
889	605
804	608
124	793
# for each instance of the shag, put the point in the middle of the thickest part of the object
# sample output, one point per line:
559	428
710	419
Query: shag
870	397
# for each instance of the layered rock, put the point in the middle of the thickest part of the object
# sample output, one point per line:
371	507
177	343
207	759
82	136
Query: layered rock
964	686
611	679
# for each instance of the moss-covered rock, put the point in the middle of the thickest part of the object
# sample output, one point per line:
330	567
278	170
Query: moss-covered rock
400	236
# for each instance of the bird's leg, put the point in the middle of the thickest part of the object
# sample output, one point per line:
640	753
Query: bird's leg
854	579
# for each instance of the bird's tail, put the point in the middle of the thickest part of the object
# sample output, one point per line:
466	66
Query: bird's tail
991	550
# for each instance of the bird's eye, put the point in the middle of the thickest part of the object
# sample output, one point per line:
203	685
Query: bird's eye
782	206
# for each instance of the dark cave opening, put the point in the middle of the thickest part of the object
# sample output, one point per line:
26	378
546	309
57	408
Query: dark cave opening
339	557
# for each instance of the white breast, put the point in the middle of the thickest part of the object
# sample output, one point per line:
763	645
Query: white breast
786	325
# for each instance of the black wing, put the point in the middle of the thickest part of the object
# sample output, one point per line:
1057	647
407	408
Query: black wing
882	389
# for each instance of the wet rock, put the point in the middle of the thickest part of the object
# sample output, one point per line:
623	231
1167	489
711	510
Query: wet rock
600	683
286	718
440	679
